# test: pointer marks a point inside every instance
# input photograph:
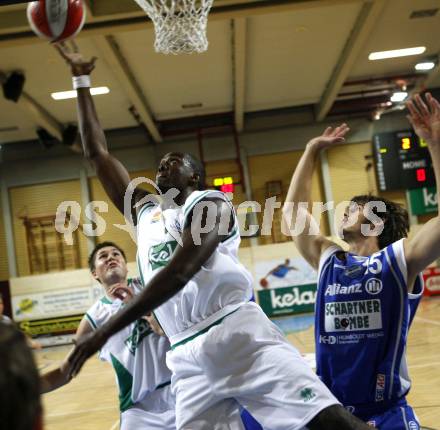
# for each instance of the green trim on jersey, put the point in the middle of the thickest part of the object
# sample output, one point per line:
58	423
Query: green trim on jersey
188	339
125	383
234	229
106	300
195	201
162	385
91	321
142	209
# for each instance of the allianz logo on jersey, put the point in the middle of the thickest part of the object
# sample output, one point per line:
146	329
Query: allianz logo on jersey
372	286
338	289
159	255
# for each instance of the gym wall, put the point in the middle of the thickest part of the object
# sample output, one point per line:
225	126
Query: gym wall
4	271
38	200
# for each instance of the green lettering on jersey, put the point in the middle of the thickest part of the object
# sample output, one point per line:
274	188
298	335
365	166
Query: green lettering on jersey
140	330
160	255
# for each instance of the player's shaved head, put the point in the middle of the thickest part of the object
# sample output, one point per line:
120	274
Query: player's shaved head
198	168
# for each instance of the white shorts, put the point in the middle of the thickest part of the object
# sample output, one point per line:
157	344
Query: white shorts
156	411
245	358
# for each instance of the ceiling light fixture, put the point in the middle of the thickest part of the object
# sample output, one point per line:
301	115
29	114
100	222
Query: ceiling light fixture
376	115
399	96
382	55
425	65
64	95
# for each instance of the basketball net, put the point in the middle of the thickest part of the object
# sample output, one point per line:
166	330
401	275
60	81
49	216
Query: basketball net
180	25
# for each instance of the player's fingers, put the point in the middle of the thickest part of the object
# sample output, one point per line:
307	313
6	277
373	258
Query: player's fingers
421	106
327	131
61	51
433	103
341	130
344	129
72	362
64	47
412	109
335	140
92	63
75	48
76	364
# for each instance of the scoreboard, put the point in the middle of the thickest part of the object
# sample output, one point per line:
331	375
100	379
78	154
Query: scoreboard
402	161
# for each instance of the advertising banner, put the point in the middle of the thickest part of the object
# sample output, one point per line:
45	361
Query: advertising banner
285	286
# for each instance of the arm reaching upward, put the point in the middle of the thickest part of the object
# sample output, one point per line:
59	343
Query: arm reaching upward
299	195
424	248
111	173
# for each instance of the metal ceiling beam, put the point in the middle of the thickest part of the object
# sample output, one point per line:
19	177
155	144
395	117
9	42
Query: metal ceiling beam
15	29
363	26
119	66
239	75
41	116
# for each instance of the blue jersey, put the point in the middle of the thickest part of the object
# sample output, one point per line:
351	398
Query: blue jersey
363	313
281	271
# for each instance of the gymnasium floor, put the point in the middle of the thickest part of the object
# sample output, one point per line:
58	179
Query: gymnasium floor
90	401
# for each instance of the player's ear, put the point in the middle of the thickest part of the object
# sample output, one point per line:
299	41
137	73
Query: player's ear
195	178
95	276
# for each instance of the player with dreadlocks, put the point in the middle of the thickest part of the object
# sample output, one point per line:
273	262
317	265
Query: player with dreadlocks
368	295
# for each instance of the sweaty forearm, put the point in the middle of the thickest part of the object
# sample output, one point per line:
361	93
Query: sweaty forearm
92	135
161	288
300	188
434	150
53	380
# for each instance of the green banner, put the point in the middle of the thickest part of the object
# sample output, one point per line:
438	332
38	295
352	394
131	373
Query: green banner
423	201
296	299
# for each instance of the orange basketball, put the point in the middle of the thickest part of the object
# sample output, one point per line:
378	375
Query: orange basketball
263	282
56	20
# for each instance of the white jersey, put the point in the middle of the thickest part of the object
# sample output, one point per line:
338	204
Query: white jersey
136	353
219	288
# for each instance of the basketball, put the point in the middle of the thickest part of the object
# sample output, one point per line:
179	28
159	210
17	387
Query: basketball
263	282
56	20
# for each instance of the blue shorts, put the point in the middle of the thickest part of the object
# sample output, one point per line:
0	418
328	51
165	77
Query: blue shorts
397	418
249	421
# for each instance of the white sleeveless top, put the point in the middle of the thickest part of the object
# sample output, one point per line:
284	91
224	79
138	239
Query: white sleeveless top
219	288
136	353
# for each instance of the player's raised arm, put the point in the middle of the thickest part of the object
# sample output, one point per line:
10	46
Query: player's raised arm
112	174
424	247
197	247
295	211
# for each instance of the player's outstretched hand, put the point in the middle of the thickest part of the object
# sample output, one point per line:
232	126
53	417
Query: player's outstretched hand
425	118
84	349
330	137
78	64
